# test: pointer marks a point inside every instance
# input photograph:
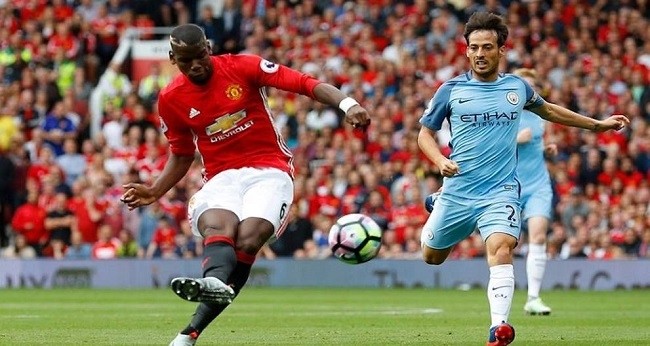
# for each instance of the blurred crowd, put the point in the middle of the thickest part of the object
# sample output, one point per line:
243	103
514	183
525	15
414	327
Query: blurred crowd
60	185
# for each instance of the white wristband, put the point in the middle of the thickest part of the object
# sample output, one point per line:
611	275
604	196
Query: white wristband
347	103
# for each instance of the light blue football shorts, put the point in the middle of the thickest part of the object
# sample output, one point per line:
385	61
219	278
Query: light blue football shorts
454	218
537	202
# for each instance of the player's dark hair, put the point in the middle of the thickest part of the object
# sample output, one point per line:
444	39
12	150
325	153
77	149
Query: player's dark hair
487	21
187	35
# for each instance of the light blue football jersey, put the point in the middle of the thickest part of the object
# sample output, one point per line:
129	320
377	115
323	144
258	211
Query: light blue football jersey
531	168
484	121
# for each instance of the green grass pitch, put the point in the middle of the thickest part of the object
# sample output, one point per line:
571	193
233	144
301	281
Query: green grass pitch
281	316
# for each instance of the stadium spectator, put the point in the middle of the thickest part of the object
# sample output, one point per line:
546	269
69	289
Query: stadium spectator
60	220
187	244
19	249
71	161
151	84
7	172
88	210
128	247
163	242
571	206
106	245
114	86
78	249
644	247
58	126
29	220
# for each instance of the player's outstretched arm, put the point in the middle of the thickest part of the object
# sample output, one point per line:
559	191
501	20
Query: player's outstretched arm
138	195
561	115
355	115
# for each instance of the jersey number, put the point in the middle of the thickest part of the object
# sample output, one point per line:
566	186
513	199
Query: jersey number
283	211
511	217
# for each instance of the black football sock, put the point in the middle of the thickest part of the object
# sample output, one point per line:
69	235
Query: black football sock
240	275
219	258
206	313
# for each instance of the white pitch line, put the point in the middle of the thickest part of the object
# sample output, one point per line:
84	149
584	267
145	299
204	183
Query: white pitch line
351	313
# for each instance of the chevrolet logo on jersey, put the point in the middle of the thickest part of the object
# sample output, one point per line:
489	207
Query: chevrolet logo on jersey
225	123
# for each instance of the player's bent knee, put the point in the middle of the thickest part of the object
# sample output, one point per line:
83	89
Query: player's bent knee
248	247
433	261
433	257
502	255
218	222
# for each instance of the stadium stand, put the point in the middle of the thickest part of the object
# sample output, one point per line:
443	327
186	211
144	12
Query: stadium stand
75	123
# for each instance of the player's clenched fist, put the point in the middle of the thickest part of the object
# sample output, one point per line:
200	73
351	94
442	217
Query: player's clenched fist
358	117
447	167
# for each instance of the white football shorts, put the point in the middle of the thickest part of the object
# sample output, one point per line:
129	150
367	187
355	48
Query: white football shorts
247	192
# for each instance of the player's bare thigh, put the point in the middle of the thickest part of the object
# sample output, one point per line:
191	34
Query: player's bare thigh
253	233
218	222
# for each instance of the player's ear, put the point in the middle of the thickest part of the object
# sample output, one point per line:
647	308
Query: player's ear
172	59
208	46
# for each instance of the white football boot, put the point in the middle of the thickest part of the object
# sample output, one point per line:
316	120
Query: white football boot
536	307
183	340
209	290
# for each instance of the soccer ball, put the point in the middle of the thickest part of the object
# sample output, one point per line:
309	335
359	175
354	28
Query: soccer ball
355	238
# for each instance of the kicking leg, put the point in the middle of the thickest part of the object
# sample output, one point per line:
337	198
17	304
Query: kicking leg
252	235
218	228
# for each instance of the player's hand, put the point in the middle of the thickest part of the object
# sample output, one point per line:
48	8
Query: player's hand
358	117
448	168
525	135
550	150
615	122
137	195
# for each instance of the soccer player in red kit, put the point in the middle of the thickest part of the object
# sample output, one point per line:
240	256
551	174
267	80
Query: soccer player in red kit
218	107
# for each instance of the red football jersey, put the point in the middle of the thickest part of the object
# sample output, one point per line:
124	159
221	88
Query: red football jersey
227	119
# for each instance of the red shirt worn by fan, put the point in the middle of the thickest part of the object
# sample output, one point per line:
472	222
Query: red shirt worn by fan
228	118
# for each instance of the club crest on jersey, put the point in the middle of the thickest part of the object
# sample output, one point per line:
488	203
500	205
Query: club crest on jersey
225	123
512	97
268	66
234	92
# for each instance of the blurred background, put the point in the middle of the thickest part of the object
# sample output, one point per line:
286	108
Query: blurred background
78	118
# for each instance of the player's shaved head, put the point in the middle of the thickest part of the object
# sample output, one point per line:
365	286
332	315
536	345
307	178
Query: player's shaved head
191	52
187	35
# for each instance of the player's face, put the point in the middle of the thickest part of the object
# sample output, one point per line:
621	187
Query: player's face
484	54
193	61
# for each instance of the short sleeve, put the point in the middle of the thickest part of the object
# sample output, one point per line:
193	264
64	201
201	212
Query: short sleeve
438	108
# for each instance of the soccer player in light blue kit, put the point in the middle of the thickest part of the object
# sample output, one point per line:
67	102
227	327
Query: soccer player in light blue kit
480	188
536	196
